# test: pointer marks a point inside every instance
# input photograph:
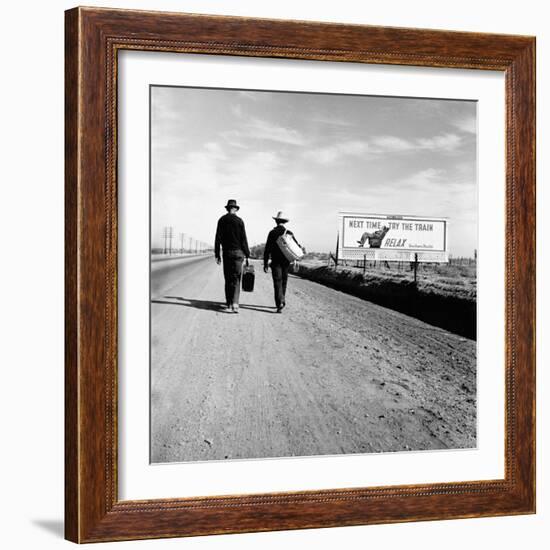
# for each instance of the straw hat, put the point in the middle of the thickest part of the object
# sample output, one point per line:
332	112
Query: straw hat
280	217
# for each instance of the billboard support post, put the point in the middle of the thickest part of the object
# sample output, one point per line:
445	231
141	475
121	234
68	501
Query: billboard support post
415	266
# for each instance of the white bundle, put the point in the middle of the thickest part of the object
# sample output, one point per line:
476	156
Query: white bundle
289	247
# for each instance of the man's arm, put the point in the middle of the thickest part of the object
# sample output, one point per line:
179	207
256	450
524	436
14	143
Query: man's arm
267	250
294	237
244	241
217	240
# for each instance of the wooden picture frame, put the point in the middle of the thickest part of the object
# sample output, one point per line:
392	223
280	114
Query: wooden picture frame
93	511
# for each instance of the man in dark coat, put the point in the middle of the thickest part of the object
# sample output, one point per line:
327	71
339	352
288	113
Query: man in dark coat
231	236
279	263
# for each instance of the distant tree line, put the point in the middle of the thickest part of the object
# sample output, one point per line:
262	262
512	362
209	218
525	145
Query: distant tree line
257	251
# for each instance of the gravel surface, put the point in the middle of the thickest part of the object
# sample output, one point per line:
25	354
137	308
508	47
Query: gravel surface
332	374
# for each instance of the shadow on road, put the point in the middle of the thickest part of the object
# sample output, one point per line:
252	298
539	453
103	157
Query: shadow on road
209	305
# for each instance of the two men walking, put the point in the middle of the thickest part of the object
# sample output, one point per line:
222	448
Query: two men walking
231	236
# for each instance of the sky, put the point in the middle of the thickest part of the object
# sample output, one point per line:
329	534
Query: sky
309	155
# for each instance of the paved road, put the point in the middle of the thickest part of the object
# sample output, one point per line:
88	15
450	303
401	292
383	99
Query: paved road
333	374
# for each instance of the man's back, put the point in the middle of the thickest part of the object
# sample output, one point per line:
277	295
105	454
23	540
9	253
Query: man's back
231	235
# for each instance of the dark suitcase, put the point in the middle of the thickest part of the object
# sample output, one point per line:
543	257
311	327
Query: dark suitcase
248	277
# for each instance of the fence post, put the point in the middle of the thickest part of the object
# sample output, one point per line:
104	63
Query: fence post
364	263
415	266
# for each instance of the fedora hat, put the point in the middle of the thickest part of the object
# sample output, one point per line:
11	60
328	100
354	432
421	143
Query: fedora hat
280	217
232	203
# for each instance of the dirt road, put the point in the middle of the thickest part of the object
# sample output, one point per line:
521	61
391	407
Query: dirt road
333	374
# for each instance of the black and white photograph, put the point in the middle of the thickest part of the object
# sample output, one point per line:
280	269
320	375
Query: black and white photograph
313	274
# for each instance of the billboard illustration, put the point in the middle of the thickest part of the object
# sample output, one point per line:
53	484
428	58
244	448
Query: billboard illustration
393	237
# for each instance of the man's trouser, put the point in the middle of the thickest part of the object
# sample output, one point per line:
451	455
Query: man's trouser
232	271
279	272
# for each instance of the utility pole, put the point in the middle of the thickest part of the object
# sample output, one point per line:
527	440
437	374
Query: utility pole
182	238
167	233
170	235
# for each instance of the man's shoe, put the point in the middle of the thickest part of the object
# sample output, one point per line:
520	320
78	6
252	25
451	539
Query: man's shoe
227	309
279	309
283	305
235	308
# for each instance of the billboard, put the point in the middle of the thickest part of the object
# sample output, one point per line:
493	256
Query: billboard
392	237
